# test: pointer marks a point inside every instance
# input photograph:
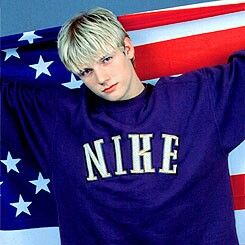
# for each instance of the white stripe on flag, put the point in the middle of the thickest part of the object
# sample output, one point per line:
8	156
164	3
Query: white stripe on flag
237	160
207	4
188	28
50	235
38	236
198	5
151	81
154	80
240	224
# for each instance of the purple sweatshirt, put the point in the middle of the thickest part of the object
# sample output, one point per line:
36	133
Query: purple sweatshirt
149	170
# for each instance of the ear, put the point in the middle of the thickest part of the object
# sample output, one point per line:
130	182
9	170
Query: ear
129	48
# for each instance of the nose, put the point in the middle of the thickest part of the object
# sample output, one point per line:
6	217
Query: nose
101	74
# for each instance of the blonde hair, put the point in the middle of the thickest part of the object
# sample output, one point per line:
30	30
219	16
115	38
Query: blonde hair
86	36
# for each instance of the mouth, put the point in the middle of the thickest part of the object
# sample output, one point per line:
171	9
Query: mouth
110	89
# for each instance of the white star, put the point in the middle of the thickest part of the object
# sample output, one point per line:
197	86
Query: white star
21	206
11	52
41	183
41	67
11	163
73	83
29	36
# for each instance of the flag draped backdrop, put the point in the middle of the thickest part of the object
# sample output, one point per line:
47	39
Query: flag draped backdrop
168	42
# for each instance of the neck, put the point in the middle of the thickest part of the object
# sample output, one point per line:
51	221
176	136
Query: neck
138	86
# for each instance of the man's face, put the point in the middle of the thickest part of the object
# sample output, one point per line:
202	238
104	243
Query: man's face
112	76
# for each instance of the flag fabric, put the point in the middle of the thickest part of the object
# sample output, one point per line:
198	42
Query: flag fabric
168	42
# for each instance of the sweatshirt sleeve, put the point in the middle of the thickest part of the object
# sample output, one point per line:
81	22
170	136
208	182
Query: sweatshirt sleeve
28	118
226	86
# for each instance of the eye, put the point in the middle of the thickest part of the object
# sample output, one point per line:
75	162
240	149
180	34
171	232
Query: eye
107	59
86	72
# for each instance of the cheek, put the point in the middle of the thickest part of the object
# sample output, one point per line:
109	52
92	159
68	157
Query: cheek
121	70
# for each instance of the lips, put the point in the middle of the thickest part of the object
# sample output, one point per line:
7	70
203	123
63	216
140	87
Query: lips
110	89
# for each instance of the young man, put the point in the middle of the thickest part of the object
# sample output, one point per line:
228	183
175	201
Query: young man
132	163
97	49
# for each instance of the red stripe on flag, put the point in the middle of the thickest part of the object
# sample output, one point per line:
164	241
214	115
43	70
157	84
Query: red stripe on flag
153	19
185	54
238	189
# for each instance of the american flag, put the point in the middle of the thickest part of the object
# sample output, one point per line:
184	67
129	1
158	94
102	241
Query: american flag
168	42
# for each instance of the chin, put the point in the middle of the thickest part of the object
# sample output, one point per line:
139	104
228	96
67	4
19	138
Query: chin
112	98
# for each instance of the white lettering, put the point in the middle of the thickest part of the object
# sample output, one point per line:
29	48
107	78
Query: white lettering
145	152
96	159
119	165
167	154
